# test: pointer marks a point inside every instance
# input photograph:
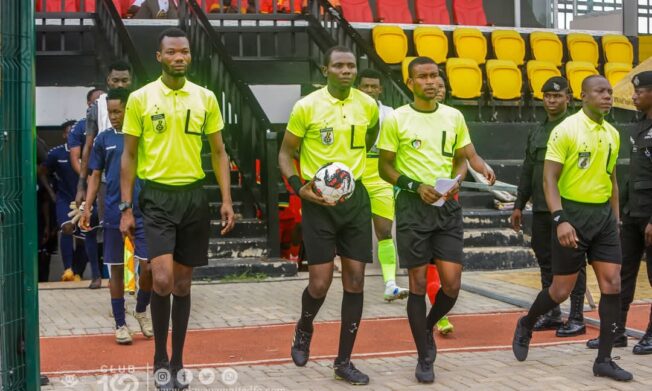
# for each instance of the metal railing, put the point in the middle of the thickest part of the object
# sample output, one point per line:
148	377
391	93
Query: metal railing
325	17
114	32
19	331
248	133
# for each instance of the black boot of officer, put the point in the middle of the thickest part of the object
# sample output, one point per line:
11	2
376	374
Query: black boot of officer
550	321
620	339
575	324
644	346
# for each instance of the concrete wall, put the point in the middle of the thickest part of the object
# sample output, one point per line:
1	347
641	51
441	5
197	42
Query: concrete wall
55	105
599	21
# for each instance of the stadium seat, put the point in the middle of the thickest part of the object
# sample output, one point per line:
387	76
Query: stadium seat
432	11
546	46
464	77
55	6
357	11
470	43
617	48
505	80
404	67
508	45
431	42
469	13
394	11
615	71
391	43
576	72
538	72
266	6
582	47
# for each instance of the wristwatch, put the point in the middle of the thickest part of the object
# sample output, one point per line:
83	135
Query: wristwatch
124	205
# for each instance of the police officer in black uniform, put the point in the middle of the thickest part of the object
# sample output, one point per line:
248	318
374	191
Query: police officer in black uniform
636	228
555	101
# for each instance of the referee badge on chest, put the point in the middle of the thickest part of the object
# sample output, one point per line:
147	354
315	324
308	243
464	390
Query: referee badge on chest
158	122
583	160
327	136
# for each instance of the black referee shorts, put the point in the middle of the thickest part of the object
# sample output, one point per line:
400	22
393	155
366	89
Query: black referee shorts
425	232
597	231
343	229
177	221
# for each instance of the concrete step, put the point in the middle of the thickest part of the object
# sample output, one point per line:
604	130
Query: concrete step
243	228
237	247
498	258
476	199
218	268
493	237
491	218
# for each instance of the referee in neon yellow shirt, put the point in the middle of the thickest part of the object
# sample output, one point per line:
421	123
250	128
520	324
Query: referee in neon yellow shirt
579	182
420	143
336	123
164	124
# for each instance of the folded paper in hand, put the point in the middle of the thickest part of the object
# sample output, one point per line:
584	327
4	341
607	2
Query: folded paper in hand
443	186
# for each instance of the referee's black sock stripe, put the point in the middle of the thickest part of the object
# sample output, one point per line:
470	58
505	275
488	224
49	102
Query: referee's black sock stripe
309	308
542	304
416	311
609	311
443	304
180	316
351	315
160	308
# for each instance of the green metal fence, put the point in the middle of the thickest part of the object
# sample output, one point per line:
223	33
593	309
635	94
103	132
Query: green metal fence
19	357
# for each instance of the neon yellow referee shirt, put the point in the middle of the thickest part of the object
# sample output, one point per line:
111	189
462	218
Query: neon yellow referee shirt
333	130
170	124
424	142
588	150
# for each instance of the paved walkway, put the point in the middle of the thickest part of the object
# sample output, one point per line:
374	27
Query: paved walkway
81	312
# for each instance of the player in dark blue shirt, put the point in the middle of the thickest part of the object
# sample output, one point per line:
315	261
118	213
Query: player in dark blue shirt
65	181
105	157
77	136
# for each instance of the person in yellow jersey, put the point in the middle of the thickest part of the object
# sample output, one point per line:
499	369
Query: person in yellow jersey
579	183
337	123
421	143
381	194
164	124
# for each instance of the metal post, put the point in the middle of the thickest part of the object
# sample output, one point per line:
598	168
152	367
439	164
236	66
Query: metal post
555	14
517	13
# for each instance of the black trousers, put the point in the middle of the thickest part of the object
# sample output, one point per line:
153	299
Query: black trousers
632	237
542	231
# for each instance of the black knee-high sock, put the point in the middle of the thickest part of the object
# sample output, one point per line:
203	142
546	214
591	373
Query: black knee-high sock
180	316
609	311
351	315
309	308
416	311
160	308
443	304
542	304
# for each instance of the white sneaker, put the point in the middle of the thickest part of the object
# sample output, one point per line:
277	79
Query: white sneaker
123	335
145	324
394	292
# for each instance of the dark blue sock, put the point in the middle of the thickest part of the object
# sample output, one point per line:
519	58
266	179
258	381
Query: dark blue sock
91	252
66	250
118	306
142	300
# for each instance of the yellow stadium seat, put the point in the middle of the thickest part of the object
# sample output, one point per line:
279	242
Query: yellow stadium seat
617	48
538	72
390	43
615	71
470	43
546	46
504	79
404	67
464	77
582	47
576	72
431	42
508	45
